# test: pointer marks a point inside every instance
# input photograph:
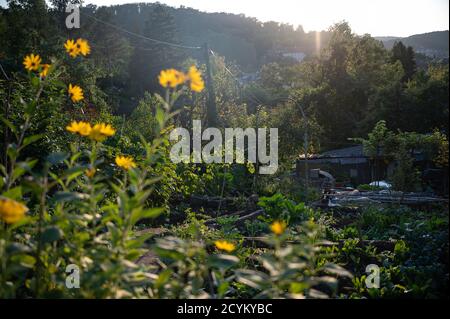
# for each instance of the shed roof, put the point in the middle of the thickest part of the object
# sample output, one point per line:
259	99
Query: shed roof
352	151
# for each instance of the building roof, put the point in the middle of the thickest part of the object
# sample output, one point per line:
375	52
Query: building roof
353	151
347	155
351	155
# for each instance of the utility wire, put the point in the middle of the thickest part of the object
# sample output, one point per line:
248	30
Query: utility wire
250	93
141	36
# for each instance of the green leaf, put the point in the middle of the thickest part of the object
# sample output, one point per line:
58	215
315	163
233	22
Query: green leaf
3	170
51	234
26	261
31	139
35	81
69	196
133	254
152	212
72	173
163	277
9	124
138	241
56	158
223	261
31	107
12	151
22	168
139	214
223	288
20	223
160	117
14	193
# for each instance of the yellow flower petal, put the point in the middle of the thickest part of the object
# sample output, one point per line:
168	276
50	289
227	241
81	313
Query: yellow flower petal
44	70
195	78
32	62
101	131
71	48
90	172
11	211
224	245
172	78
83	47
75	93
125	162
278	227
81	128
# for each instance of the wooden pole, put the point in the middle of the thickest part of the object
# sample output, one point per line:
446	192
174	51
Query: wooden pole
211	111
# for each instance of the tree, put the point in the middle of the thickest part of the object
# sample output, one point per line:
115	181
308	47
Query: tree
28	28
401	149
407	58
150	58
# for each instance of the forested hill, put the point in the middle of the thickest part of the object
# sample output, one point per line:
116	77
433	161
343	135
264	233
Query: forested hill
244	40
247	41
433	44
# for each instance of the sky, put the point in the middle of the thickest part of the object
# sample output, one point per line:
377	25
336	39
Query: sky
377	17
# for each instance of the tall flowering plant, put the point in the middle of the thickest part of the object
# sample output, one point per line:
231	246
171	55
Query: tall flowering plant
69	209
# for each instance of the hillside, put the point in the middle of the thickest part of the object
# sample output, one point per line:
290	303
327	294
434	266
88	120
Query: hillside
248	42
241	39
432	44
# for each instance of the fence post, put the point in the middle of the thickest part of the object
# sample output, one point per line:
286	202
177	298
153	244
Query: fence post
211	110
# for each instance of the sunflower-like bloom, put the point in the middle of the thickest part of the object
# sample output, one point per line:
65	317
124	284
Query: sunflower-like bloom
81	128
224	245
125	162
278	227
75	93
32	62
44	70
195	79
83	47
101	131
71	48
11	211
172	78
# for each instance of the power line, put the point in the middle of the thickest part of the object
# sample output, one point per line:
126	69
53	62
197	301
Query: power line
250	93
225	67
141	36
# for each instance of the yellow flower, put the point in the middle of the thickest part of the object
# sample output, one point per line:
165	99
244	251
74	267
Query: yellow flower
224	245
83	47
32	62
75	93
44	70
195	79
82	128
11	211
278	227
171	77
90	172
71	48
101	131
126	162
